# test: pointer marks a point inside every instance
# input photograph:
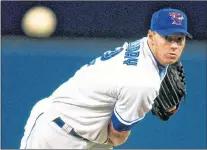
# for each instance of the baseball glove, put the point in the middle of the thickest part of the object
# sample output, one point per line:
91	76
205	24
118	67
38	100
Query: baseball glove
172	91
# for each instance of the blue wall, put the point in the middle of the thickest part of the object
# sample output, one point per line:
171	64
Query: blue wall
32	69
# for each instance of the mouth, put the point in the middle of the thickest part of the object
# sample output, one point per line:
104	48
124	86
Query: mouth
173	54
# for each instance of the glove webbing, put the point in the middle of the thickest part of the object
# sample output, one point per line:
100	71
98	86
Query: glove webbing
168	93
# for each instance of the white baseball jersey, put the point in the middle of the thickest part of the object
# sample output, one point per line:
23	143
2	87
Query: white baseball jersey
120	86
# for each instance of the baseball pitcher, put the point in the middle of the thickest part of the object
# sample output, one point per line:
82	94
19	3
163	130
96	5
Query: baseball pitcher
100	104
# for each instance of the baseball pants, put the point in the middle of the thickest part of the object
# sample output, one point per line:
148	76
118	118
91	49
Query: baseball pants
42	134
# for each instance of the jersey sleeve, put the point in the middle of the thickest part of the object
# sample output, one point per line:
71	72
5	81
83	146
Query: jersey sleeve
132	105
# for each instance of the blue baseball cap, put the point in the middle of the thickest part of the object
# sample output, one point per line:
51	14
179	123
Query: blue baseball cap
169	21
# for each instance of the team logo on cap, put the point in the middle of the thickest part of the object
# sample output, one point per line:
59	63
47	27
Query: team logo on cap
176	17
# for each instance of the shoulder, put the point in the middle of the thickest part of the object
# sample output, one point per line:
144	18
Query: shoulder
137	42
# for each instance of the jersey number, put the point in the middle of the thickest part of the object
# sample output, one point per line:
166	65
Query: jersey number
107	55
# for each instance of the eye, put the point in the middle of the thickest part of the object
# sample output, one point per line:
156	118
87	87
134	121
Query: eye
180	39
168	38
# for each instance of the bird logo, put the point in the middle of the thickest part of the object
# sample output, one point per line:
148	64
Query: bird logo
176	17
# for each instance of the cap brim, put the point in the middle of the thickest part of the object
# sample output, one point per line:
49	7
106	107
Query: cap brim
171	32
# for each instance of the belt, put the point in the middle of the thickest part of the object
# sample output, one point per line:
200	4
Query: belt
62	125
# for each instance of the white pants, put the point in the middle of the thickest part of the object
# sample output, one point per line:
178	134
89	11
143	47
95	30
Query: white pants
40	134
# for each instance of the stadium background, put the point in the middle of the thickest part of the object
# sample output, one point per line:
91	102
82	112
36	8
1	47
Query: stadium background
33	68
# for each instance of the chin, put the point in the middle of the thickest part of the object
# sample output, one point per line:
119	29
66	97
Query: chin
171	61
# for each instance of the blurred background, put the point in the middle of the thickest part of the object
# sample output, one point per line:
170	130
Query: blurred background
44	43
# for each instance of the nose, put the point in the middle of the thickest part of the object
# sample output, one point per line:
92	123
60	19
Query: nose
174	45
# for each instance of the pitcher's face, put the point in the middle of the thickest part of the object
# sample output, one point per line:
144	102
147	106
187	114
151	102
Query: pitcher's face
167	49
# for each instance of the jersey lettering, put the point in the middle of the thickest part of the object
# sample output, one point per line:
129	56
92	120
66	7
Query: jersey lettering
132	53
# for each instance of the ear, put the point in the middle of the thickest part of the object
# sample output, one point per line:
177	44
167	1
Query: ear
150	35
